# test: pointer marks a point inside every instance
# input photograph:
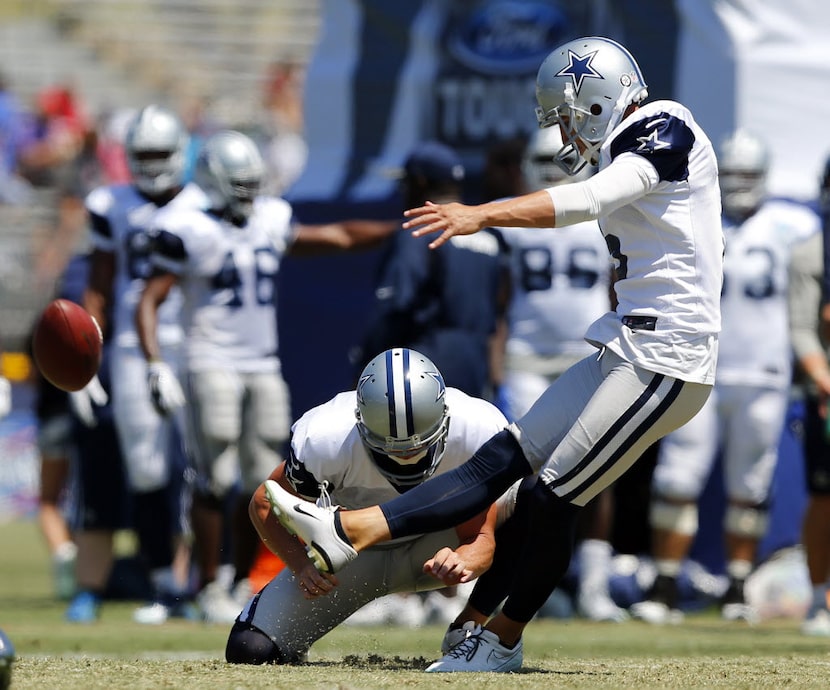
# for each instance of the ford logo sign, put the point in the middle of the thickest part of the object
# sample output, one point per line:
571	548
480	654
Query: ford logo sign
505	37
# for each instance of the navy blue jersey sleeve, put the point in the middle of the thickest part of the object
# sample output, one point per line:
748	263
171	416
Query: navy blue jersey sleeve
664	140
168	246
100	225
303	481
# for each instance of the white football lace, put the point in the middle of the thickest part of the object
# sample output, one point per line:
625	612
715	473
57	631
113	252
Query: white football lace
468	647
325	499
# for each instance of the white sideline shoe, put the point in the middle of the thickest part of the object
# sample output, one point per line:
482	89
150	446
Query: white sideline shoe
217	605
455	636
481	651
314	525
740	612
656	613
817	625
600	607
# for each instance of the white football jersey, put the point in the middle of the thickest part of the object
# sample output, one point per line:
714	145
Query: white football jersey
560	283
326	448
120	219
667	244
754	341
228	278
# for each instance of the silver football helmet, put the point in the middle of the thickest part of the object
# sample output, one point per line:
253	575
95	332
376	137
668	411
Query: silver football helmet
585	86
402	415
155	147
539	168
743	163
231	171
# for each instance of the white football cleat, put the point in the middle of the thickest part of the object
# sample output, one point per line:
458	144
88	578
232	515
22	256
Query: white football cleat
481	651
314	525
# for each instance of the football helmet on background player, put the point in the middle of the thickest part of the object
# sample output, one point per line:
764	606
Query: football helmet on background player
402	415
155	147
585	86
230	170
743	163
539	168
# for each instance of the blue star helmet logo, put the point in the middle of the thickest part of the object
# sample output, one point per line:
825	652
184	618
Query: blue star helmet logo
360	385
579	68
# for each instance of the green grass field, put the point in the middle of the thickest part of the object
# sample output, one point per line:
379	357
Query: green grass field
117	653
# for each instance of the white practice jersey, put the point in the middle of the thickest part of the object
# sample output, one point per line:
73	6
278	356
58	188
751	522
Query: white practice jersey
326	448
120	218
560	283
660	214
228	279
754	342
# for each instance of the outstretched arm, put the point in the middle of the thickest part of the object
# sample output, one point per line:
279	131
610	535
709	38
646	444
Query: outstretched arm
347	235
534	210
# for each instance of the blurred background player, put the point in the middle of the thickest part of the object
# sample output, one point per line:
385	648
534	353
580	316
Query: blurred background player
809	335
119	216
745	414
561	281
97	505
226	260
448	304
54	444
398	428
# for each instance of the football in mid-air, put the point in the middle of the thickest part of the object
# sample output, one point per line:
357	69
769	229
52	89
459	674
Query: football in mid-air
67	345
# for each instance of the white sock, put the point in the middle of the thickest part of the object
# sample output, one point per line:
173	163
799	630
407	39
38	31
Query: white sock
594	565
65	552
668	567
739	570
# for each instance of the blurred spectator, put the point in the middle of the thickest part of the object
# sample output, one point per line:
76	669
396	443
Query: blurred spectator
112	130
193	111
13	188
73	179
56	135
286	151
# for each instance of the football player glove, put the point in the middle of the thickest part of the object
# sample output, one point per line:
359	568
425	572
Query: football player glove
165	390
83	402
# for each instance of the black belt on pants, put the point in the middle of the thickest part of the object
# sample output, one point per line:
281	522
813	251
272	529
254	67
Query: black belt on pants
640	323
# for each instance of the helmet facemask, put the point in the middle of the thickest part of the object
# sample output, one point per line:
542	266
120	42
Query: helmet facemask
546	160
